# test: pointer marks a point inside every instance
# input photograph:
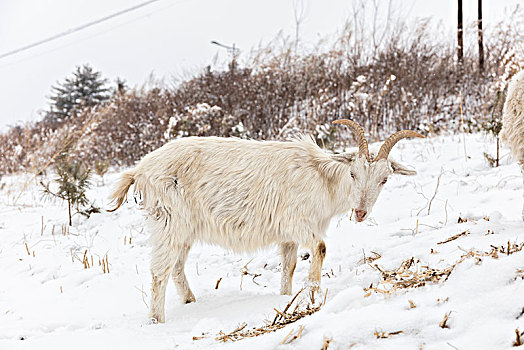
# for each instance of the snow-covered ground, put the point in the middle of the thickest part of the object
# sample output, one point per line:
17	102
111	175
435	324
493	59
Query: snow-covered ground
49	300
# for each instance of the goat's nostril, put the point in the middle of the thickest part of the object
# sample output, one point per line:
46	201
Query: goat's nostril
360	214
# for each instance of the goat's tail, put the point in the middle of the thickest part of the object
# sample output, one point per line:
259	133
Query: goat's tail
119	195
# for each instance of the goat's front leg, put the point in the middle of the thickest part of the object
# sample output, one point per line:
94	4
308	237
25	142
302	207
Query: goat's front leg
319	253
288	251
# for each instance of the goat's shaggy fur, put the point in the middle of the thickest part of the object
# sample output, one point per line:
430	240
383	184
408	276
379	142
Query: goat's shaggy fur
513	123
245	195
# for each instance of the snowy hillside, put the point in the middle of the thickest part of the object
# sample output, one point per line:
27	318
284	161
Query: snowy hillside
391	281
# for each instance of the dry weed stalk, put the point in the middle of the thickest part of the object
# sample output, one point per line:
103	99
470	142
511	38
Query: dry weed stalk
442	301
521	313
218	282
144	295
384	335
430	201
244	271
452	238
199	337
326	343
298	334
461	220
282	319
105	264
518	340
85	261
443	323
369	259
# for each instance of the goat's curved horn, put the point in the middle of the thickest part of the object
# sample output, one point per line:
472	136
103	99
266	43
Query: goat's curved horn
386	147
359	133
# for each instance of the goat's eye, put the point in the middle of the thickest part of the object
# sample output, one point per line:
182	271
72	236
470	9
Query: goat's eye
353	176
384	181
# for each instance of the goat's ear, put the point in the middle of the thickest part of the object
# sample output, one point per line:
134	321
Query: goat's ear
401	169
347	157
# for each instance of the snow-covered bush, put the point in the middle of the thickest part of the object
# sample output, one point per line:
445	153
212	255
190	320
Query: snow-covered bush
204	120
412	82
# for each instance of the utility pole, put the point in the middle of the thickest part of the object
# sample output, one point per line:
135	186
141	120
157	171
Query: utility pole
481	37
460	40
233	51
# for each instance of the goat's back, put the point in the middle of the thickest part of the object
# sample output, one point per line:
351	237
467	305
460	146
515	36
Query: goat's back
242	194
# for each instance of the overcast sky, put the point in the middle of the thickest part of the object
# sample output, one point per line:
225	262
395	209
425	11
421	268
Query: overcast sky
168	37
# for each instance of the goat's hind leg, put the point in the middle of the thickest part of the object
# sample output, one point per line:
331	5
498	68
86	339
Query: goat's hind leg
288	251
179	277
522	171
161	266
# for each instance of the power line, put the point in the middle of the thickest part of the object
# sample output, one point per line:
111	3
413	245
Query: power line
81	39
76	29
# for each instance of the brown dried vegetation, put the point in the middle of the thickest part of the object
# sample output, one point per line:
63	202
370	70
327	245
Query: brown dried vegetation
411	274
282	319
409	82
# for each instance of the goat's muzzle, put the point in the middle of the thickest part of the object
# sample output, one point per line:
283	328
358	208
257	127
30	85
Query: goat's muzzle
360	215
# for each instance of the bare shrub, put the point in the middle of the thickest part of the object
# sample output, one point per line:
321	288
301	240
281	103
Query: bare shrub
401	77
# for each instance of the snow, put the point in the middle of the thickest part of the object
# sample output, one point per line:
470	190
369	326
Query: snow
50	301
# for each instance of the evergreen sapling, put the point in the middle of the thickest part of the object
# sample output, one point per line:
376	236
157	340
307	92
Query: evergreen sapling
73	180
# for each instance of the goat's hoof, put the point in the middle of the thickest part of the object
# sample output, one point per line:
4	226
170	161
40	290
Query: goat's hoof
189	299
156	318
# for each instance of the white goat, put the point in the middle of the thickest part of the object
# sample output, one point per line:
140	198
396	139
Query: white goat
245	195
513	122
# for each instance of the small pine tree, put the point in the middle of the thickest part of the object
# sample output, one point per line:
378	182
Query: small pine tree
86	88
73	181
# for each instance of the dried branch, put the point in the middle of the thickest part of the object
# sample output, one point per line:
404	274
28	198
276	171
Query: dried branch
282	318
452	238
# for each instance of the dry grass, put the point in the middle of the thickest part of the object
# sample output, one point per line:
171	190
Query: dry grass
282	319
410	274
89	262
